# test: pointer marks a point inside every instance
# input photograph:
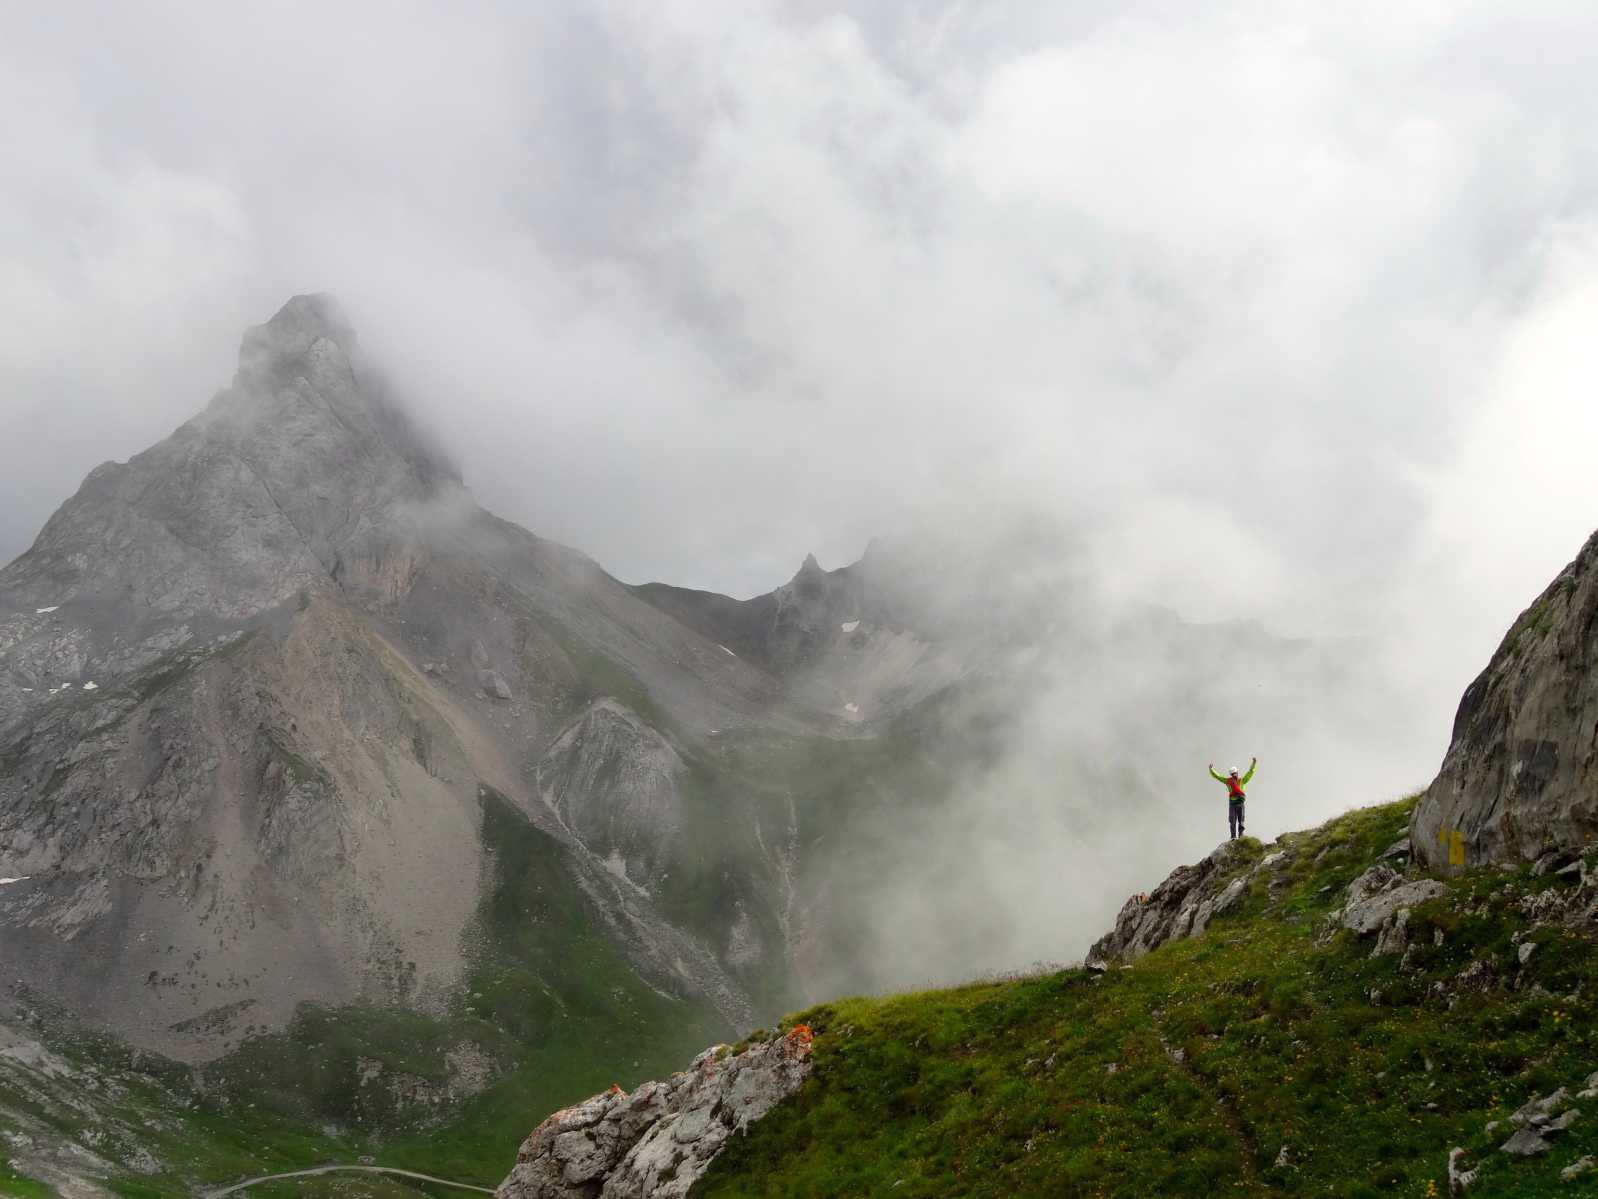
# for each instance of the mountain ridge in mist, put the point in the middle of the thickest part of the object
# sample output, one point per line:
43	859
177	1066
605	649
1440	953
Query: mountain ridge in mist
279	700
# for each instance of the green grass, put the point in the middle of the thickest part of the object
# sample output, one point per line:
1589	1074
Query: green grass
551	998
551	1001
1066	1083
576	1016
15	1185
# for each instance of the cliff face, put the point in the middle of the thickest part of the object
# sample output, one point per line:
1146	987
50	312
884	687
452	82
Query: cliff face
1521	775
254	683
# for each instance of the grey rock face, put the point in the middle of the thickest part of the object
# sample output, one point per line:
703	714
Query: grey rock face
1540	1112
233	784
1394	935
1376	896
656	1142
1521	773
612	780
1459	1179
1182	906
1527	1142
1579	1167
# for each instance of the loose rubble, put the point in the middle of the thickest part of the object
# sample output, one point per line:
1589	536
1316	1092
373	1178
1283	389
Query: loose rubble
1538	1123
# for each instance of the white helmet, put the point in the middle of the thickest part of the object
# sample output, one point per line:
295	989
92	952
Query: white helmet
1233	770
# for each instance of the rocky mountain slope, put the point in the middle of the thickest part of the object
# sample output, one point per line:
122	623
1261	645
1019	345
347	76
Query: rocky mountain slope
254	683
349	813
1521	775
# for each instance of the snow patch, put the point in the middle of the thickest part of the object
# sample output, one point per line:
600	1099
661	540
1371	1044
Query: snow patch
91	685
6	882
43	611
725	650
851	707
849	626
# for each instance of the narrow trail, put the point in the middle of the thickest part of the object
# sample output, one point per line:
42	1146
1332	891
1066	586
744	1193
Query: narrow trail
1248	1149
218	1192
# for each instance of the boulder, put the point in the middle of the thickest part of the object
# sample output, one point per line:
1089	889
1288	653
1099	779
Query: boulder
1520	778
1181	906
657	1141
1582	1165
1377	895
1394	935
1459	1178
493	684
1527	1142
1541	1111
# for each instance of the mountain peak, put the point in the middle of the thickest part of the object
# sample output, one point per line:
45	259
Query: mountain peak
292	331
305	318
306	399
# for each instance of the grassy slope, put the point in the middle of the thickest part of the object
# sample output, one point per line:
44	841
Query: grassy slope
1067	1084
19	1186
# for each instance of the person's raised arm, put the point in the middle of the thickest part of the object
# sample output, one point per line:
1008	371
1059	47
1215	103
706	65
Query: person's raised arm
1218	778
1253	762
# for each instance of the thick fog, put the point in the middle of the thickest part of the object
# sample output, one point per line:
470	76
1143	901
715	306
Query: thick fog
1285	310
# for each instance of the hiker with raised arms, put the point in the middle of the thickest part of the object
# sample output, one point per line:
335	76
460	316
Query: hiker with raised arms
1234	795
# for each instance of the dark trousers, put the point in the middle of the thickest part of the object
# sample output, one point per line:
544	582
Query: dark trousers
1234	816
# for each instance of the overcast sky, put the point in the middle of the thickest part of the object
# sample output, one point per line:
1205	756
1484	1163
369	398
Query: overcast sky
1292	305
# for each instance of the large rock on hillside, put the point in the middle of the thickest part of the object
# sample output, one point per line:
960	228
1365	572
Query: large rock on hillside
658	1140
1182	906
1521	774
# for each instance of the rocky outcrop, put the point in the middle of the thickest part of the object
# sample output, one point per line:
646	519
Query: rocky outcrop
1182	906
1377	897
1521	773
612	780
656	1142
786	629
1537	1123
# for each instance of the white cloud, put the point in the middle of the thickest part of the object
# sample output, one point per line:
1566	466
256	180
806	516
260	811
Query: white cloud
1242	281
